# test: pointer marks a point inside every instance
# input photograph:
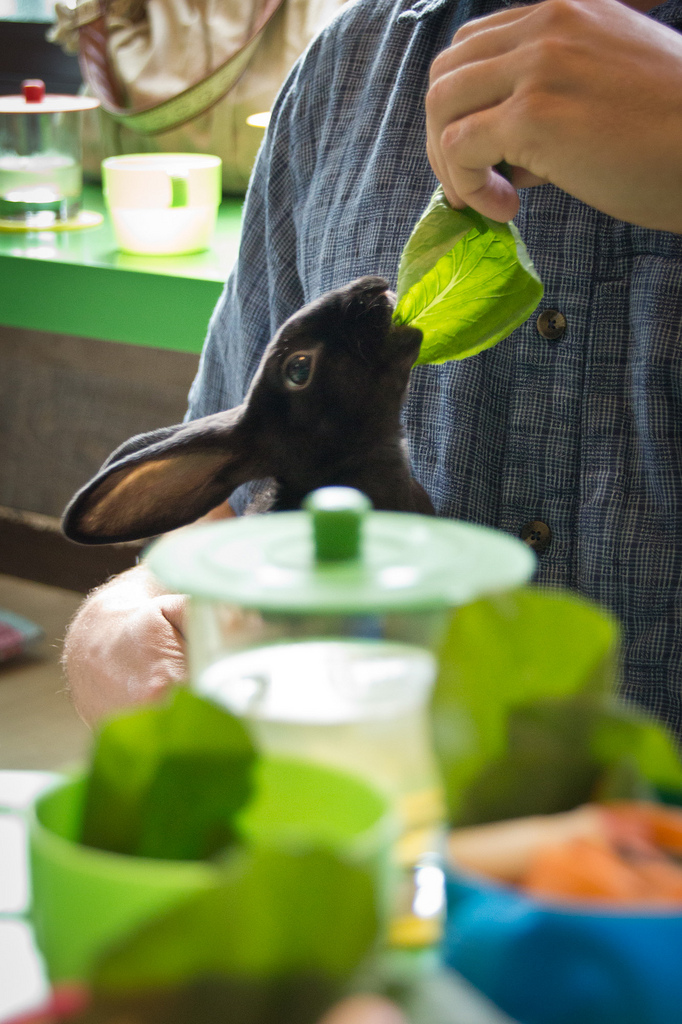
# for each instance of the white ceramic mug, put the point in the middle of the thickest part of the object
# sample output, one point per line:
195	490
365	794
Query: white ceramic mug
162	204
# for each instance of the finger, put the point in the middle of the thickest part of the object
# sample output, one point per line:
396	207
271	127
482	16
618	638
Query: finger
481	40
470	148
465	78
521	178
488	22
440	169
496	201
364	1009
495	198
158	682
461	92
467	90
500	19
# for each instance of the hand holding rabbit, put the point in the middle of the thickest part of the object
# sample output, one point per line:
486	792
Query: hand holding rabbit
124	645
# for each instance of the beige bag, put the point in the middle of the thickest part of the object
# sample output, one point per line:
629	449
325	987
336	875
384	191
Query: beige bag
184	75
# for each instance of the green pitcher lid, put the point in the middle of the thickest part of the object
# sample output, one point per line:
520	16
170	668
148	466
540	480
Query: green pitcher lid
338	556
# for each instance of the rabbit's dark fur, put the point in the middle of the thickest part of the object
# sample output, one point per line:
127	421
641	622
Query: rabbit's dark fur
323	408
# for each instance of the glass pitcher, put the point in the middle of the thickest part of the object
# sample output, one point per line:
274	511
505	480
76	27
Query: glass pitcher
319	627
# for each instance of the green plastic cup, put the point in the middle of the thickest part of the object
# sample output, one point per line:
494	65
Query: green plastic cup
85	899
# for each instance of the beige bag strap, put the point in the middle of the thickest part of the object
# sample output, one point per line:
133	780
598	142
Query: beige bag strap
88	18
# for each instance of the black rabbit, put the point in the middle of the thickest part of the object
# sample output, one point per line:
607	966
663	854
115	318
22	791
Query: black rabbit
323	408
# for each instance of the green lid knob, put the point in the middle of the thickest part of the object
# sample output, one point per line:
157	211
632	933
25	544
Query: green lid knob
337	514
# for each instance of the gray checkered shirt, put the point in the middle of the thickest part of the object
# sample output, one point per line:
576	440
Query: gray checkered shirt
583	433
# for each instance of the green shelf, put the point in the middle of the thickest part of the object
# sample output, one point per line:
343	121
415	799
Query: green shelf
78	283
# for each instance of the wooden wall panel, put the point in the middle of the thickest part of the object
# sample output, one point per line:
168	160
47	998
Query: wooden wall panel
67	402
33	548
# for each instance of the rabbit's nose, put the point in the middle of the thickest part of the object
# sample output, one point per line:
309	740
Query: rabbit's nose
369	288
374	303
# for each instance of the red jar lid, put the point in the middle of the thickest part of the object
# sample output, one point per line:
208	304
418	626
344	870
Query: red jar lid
33	90
34	100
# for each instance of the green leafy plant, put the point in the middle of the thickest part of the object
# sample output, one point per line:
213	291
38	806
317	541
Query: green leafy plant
276	938
466	281
291	906
168	780
272	913
524	717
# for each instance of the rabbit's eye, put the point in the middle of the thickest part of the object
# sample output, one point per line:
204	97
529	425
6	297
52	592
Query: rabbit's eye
298	368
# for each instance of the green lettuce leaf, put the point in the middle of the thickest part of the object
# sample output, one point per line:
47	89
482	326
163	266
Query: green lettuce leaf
524	717
168	780
277	938
466	281
273	913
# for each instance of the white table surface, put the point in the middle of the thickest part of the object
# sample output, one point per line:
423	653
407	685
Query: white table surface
23	984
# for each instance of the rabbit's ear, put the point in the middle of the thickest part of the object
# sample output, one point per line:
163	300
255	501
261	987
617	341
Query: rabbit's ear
157	482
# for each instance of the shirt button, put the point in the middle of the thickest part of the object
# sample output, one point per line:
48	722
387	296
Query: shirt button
551	324
537	535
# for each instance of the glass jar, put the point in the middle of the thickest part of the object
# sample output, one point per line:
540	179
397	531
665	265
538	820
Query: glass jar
41	175
320	628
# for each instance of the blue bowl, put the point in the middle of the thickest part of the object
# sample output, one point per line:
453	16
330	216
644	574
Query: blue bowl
546	964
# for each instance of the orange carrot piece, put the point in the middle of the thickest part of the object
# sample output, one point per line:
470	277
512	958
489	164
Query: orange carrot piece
619	852
665	824
661	880
582	869
503	849
627	826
